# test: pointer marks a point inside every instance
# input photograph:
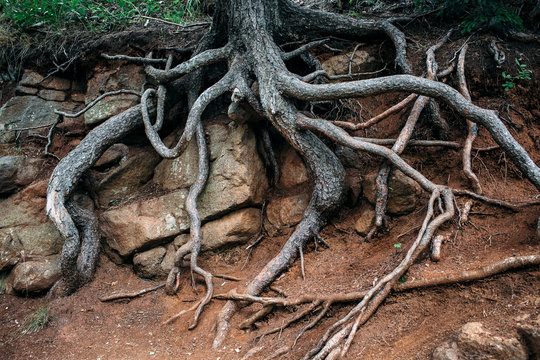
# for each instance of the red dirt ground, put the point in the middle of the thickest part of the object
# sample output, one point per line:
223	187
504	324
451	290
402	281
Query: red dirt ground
408	325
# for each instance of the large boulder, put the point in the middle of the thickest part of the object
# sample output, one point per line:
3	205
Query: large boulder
128	77
143	224
21	112
237	175
125	179
25	230
35	276
17	172
403	192
237	180
283	213
235	228
292	168
473	341
359	62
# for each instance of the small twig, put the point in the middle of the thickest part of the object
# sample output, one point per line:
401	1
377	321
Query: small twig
514	206
226	277
204	23
96	100
177	315
250	321
49	138
376	119
130	295
135	59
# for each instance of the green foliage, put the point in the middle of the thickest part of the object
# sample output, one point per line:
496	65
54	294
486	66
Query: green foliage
94	15
523	74
36	321
475	14
397	246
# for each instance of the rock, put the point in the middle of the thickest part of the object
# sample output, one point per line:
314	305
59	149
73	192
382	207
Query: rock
282	213
475	342
538	229
128	77
235	228
148	264
25	230
403	192
180	240
363	224
25	90
35	276
78	97
52	95
237	180
339	65
17	172
112	156
168	260
292	168
180	172
30	78
353	185
237	175
530	331
447	351
144	224
28	111
127	178
56	83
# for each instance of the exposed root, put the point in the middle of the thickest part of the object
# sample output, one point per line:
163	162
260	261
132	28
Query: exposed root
511	263
497	202
472	127
64	179
129	295
401	142
380	291
193	246
95	101
250	321
402	104
182	312
464	213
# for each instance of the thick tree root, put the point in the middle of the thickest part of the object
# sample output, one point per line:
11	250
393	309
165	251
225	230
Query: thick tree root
62	183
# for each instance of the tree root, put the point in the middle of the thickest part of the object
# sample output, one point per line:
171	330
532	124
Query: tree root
401	142
193	246
472	127
129	295
507	264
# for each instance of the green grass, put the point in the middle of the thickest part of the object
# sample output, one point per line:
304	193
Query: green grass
36	321
510	80
476	14
93	15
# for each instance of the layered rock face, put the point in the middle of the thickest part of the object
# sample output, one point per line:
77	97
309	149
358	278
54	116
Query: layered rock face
139	197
